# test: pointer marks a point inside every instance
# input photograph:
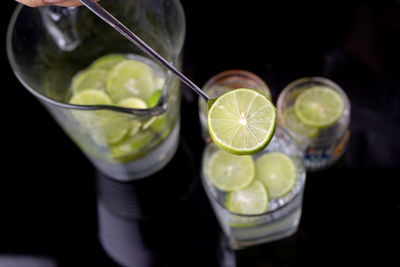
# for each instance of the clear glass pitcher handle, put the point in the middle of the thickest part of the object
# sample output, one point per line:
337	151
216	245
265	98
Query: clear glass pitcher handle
60	23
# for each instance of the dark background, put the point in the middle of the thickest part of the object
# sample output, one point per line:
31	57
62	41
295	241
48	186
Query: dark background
351	212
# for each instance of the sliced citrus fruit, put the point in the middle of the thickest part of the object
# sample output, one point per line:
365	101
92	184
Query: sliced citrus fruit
130	78
107	62
297	126
137	103
106	127
154	98
90	78
133	102
90	97
112	127
242	121
229	172
250	200
277	172
131	147
319	106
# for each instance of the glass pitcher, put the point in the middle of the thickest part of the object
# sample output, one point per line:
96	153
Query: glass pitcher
48	46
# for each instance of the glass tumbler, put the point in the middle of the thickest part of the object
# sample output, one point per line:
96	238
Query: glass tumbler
224	82
321	147
282	217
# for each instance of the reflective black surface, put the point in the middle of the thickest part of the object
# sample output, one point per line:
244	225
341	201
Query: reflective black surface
56	211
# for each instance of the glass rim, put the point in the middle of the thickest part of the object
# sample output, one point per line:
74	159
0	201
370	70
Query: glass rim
157	110
305	80
324	81
225	74
267	212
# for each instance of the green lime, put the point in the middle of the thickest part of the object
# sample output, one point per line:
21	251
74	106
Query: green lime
89	78
154	98
297	126
137	103
319	106
106	127
112	127
250	200
277	172
242	121
107	62
90	97
132	147
130	78
133	102
230	172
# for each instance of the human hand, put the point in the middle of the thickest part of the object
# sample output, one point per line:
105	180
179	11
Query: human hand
36	3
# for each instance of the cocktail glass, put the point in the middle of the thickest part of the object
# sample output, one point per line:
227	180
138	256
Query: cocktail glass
47	46
320	147
283	214
224	82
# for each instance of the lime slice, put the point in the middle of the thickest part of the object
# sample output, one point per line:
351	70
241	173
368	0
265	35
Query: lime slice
105	127
130	78
297	126
90	97
90	78
277	172
230	172
319	106
242	121
107	62
113	127
132	147
133	102
154	98
137	103
250	200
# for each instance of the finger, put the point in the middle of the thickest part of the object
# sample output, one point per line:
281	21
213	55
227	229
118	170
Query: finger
32	3
37	3
65	3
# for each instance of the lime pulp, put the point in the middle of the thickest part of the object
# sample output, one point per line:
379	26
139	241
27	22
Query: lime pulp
230	172
319	106
277	172
242	121
297	126
250	200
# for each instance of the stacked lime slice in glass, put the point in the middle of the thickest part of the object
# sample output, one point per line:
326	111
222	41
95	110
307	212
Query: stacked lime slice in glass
250	184
315	108
118	80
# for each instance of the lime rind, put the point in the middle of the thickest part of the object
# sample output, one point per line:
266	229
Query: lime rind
154	98
251	200
230	172
277	172
319	106
242	121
